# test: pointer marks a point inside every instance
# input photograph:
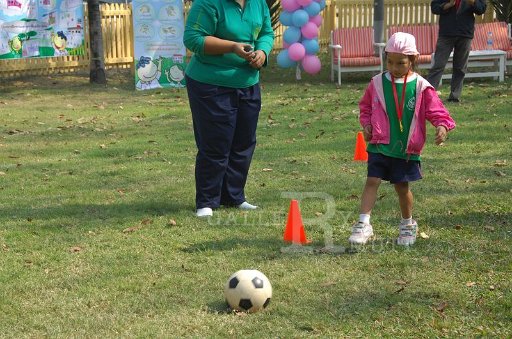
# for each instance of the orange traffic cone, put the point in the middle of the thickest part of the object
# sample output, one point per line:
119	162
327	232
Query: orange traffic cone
294	231
360	153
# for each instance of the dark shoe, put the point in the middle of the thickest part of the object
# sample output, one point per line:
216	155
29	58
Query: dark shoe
453	99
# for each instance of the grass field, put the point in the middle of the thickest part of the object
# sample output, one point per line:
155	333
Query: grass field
98	237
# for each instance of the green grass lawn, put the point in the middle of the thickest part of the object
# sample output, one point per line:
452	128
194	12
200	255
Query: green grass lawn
98	236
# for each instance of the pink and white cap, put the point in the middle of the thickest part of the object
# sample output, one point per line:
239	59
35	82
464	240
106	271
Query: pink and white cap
403	43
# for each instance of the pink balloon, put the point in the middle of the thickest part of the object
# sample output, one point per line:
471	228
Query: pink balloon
317	20
304	3
309	30
296	51
290	5
311	64
285	44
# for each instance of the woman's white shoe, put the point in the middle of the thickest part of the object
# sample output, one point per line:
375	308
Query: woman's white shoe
204	212
246	206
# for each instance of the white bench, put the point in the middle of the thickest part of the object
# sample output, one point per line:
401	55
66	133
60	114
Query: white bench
493	62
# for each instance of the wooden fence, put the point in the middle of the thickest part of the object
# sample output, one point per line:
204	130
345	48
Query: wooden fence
359	13
118	43
116	23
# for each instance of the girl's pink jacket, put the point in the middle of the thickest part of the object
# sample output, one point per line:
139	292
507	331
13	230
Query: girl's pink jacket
428	107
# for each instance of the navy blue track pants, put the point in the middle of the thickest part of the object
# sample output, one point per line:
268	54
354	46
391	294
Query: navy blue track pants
225	121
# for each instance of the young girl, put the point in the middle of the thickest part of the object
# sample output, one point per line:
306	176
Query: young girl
393	113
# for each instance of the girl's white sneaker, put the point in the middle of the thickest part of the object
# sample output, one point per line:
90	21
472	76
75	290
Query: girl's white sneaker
361	233
408	233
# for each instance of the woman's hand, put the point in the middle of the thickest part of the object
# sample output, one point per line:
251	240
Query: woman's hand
244	51
441	133
449	4
258	59
367	132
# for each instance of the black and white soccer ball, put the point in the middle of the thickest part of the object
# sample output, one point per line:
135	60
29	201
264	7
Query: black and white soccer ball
248	291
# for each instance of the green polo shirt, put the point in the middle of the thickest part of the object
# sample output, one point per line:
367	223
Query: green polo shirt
225	19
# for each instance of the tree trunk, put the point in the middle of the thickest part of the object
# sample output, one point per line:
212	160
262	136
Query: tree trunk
97	69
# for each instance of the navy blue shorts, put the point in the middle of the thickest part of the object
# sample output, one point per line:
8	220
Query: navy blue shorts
394	170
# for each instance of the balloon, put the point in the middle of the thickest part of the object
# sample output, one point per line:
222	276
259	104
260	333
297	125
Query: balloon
290	5
291	35
309	30
304	3
311	46
300	17
300	39
286	18
284	61
296	51
313	8
311	64
317	19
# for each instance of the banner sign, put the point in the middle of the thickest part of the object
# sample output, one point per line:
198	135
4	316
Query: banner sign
159	58
41	28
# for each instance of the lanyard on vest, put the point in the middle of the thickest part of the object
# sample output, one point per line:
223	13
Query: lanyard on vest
399	108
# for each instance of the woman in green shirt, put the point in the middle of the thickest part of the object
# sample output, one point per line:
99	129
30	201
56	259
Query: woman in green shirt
231	40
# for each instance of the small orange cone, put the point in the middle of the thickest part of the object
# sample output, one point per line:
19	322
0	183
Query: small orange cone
294	231
360	153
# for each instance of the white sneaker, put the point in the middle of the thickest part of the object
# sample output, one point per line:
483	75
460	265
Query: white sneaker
408	233
361	233
246	206
204	212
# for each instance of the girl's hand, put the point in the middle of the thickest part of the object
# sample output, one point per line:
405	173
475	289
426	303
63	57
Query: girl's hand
240	50
441	133
367	132
258	59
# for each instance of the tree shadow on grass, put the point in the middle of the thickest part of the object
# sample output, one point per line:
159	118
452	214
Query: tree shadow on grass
219	306
69	83
476	221
375	301
265	245
93	213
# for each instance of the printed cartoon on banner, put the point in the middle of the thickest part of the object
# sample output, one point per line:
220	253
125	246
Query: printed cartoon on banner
41	28
158	38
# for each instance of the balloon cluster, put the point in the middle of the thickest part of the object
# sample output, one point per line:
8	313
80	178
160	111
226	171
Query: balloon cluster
300	39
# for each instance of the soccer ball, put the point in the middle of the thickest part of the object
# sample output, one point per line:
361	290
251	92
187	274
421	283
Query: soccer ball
248	291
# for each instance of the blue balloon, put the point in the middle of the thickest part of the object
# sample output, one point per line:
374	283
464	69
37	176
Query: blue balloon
284	61
313	8
300	17
286	18
322	4
311	46
291	34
